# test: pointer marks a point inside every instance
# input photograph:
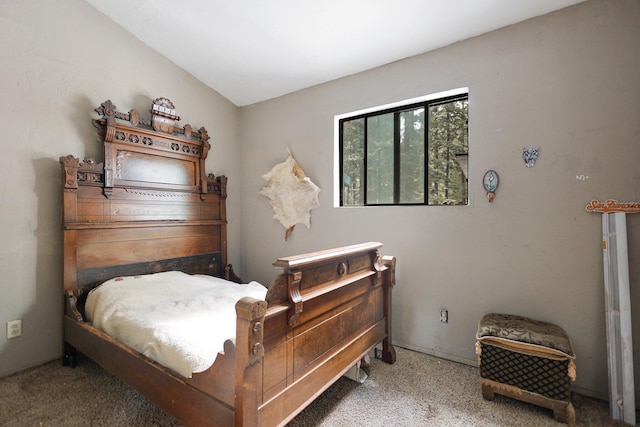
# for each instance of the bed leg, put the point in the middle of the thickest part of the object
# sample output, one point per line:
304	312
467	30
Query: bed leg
388	354
388	351
70	356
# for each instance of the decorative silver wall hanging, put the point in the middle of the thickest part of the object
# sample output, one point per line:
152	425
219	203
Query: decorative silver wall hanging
530	155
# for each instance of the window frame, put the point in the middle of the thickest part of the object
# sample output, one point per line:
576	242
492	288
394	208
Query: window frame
397	109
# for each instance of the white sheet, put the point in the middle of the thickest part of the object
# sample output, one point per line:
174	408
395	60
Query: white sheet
181	321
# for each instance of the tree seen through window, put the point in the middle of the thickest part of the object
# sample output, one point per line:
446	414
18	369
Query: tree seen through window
405	156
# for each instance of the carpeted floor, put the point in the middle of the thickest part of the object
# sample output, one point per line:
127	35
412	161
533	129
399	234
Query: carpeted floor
419	390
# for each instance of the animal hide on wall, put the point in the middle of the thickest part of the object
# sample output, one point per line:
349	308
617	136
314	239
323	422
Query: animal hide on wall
292	194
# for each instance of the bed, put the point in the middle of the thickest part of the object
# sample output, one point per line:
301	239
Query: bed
150	207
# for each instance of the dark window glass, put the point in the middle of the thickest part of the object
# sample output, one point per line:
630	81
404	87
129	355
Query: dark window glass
406	155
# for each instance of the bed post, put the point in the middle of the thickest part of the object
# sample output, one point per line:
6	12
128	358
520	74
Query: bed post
388	351
204	152
70	166
250	314
223	216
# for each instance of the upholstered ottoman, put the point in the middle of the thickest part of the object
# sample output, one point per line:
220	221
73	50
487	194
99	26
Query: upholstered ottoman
528	360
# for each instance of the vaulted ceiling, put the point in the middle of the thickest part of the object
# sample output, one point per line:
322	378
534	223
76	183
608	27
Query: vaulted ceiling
253	50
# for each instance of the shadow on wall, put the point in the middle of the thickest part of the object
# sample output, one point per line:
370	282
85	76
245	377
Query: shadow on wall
47	318
39	290
82	114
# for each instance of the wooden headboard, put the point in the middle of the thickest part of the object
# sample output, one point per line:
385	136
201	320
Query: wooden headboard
148	207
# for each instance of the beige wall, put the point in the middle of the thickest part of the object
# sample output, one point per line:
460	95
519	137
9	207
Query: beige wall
567	82
59	60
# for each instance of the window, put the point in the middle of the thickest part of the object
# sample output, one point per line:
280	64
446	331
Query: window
405	154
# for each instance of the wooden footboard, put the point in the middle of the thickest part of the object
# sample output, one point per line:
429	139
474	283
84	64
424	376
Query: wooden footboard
326	311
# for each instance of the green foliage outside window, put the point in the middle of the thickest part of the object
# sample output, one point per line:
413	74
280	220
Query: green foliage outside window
406	156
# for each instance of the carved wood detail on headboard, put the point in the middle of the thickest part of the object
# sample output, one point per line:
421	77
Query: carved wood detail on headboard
148	206
135	146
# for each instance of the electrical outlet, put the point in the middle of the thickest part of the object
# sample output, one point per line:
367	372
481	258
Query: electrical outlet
444	315
14	328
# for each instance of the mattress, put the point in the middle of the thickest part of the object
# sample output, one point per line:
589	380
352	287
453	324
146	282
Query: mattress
178	320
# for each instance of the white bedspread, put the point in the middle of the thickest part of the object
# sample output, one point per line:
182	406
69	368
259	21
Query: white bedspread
181	321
